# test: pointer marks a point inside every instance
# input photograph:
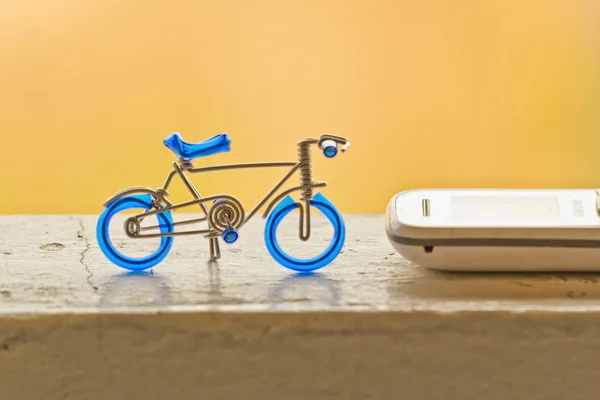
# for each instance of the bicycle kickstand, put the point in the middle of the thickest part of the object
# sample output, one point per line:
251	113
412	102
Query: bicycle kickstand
215	251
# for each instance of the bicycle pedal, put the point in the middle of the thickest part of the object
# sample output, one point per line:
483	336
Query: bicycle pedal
230	235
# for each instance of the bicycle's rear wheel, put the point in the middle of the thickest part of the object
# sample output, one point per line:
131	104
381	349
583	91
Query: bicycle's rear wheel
107	246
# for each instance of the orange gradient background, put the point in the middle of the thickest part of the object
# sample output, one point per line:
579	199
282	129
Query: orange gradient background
430	93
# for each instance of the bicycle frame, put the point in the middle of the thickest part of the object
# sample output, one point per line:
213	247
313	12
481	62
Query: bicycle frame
180	170
162	204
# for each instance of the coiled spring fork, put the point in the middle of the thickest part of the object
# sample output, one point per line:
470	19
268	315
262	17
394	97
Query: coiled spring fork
306	182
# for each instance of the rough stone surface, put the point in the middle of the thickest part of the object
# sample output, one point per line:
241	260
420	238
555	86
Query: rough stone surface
369	326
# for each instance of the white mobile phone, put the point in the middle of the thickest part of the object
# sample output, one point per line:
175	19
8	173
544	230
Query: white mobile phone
497	229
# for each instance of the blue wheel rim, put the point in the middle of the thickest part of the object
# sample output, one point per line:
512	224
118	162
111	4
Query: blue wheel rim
131	263
314	263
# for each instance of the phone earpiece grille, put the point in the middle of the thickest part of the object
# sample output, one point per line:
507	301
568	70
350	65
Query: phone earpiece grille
578	209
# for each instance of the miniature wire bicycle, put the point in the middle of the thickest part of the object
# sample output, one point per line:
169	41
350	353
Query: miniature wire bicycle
223	213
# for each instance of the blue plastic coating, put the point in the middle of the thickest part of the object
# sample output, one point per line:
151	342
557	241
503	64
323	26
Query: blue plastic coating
230	235
217	144
305	265
330	151
110	251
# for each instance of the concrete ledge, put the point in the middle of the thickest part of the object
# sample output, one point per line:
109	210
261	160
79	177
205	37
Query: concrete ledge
72	325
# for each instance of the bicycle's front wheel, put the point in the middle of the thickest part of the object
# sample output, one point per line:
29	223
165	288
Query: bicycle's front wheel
311	264
165	224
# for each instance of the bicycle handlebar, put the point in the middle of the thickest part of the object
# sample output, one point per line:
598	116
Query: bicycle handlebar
329	144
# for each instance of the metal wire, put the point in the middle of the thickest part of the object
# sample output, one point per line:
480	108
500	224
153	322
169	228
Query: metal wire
227	211
225	214
306	183
186	163
306	173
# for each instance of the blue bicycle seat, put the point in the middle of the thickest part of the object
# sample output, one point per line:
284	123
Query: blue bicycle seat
217	144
